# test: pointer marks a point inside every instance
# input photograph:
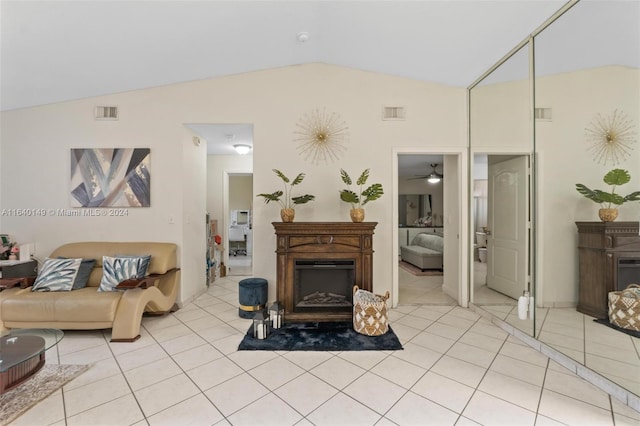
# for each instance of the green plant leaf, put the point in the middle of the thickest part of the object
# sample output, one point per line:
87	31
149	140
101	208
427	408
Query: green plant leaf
345	177
617	177
612	198
589	193
298	179
303	199
634	196
281	175
271	197
363	177
372	193
349	196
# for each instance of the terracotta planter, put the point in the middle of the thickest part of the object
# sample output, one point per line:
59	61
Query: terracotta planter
357	215
608	215
287	215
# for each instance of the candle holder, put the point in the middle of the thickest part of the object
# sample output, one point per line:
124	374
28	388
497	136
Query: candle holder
276	315
260	326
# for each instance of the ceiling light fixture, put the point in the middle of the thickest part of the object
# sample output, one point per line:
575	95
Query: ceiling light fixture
434	177
302	37
242	149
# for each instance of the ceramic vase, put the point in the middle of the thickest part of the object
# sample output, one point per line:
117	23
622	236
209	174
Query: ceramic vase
287	215
608	215
357	215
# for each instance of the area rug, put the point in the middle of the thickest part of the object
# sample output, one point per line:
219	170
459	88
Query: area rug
414	270
615	327
46	381
319	336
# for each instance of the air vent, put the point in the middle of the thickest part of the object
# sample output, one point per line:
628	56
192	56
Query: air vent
393	113
106	113
543	114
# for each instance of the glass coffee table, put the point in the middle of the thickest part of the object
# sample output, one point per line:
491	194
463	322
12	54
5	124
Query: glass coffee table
22	354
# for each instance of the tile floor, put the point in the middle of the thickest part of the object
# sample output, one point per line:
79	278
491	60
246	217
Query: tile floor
421	290
456	368
240	265
608	352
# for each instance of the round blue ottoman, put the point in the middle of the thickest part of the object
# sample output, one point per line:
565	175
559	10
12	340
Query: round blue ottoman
253	296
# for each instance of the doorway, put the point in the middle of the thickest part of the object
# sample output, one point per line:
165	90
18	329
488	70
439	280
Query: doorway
436	208
224	163
501	234
240	224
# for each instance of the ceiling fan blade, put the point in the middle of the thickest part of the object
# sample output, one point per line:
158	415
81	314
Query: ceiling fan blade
418	177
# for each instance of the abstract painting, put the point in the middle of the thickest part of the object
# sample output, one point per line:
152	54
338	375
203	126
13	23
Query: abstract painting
110	177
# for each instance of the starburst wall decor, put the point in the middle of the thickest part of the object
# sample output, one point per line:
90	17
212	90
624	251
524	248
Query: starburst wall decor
611	137
322	136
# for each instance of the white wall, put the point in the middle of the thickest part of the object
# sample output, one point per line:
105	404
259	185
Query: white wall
500	117
194	187
454	194
217	166
35	165
38	140
564	160
241	192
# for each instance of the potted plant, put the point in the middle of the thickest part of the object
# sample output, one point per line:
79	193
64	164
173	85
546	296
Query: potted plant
285	198
362	197
607	200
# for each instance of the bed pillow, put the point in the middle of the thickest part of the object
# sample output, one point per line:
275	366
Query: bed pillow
86	266
117	269
145	260
57	275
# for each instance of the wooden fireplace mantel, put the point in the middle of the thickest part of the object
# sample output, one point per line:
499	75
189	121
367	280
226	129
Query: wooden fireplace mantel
600	245
321	240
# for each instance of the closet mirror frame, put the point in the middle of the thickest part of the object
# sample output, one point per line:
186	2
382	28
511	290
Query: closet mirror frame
506	133
626	392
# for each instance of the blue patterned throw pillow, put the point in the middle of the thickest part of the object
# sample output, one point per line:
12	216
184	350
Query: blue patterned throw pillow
145	260
57	275
117	269
83	273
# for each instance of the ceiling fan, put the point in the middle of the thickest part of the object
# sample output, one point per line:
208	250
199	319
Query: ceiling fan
433	177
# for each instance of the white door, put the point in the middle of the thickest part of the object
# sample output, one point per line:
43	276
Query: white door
508	219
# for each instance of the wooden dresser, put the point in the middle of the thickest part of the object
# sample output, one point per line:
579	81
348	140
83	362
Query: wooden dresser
604	248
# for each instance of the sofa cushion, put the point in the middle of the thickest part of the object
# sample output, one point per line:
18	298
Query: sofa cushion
83	305
57	275
117	269
422	251
430	241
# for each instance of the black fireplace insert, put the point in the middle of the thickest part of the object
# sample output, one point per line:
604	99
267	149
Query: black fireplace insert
324	285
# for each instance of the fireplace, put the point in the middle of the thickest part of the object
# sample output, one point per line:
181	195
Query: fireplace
323	284
318	263
628	272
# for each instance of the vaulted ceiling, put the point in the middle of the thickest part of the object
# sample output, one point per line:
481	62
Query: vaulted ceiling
52	51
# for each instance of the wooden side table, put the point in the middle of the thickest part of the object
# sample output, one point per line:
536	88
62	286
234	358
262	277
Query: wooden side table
18	268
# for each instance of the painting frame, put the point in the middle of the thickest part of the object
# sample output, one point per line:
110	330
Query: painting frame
110	177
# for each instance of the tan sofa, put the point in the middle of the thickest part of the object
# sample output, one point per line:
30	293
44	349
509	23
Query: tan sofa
425	251
89	309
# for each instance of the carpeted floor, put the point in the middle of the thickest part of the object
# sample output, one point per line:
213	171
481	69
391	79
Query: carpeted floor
319	336
414	270
46	381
